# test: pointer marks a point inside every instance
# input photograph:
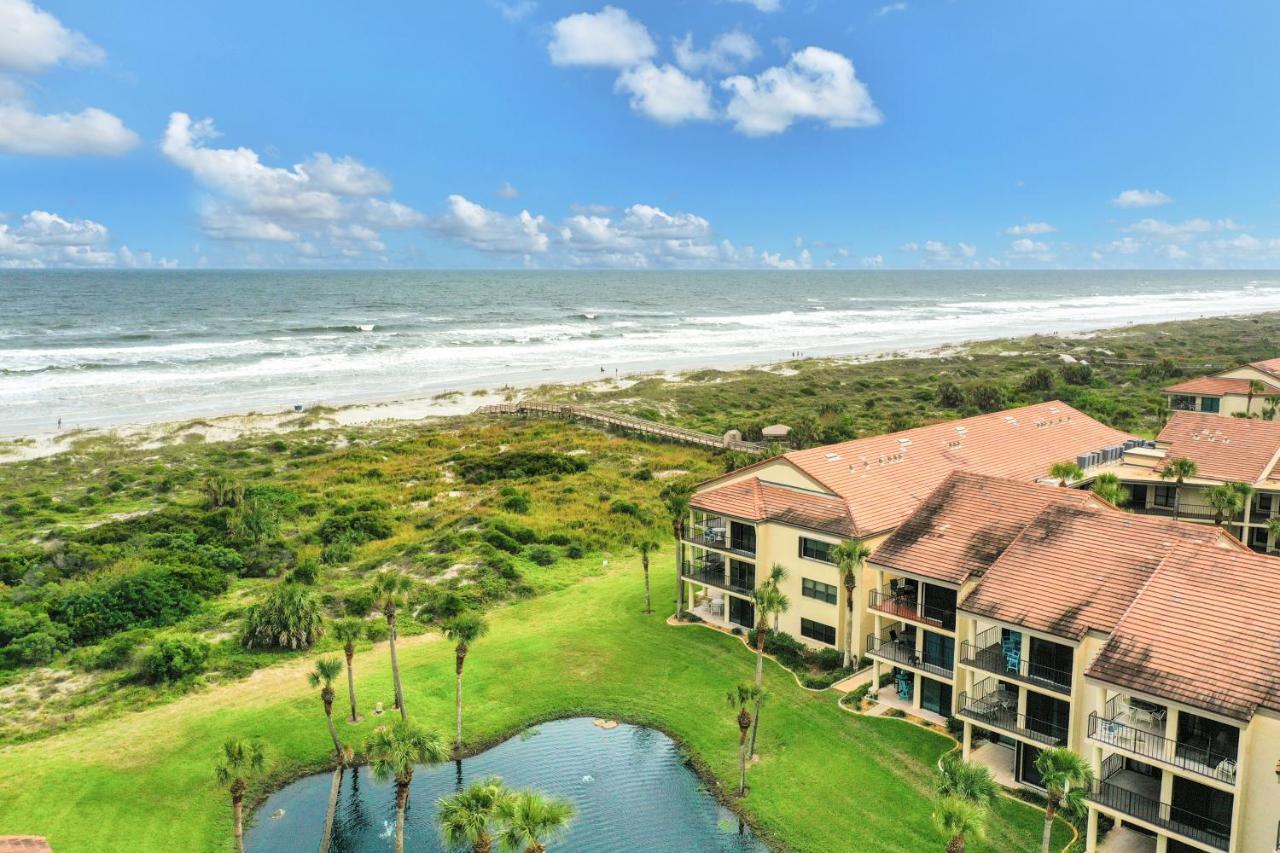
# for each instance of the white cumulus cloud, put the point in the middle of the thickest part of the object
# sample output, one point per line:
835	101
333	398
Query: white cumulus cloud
90	131
32	40
815	84
491	231
1179	230
665	94
939	252
609	37
727	52
1140	198
890	8
45	239
1030	228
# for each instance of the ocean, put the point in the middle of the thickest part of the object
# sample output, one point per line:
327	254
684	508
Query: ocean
107	348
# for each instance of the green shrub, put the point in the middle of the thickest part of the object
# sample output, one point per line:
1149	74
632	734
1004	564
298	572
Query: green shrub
341	551
575	551
356	527
515	465
173	658
502	541
151	597
986	396
1078	373
515	500
305	572
621	507
34	649
543	555
1038	381
118	651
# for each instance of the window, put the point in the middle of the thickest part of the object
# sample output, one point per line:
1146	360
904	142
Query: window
819	590
742	612
742	537
935	696
1262	504
818	631
1051	662
1258	537
1182	403
742	575
815	549
1210	404
939	651
1163	496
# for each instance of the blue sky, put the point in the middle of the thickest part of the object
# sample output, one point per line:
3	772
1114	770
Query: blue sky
685	133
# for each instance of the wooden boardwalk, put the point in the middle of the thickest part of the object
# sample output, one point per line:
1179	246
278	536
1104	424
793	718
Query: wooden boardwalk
622	422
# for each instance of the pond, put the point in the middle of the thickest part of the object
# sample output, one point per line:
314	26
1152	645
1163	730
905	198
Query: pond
629	785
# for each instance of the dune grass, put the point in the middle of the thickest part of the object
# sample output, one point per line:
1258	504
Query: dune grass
828	780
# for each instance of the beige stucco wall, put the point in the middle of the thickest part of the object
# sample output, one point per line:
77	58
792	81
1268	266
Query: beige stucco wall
1258	806
774	471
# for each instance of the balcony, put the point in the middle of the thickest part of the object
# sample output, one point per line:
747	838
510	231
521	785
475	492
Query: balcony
713	574
906	604
1185	513
1137	795
1140	732
724	535
996	708
990	654
902	650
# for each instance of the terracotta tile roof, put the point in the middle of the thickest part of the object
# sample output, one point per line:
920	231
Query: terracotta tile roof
884	478
1205	632
1077	567
1216	386
965	524
1270	365
1241	449
755	500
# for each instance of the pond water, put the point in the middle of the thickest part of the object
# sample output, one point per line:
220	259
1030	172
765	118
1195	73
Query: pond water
629	785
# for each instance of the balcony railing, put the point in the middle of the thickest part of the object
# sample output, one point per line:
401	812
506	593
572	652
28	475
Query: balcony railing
990	655
903	650
719	538
1117	727
1184	512
1184	822
907	605
696	571
998	709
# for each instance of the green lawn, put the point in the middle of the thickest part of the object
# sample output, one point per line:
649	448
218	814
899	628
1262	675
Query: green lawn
828	780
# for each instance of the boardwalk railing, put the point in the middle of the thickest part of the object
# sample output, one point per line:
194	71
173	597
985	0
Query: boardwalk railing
623	422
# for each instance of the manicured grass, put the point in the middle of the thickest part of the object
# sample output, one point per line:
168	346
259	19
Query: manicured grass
827	781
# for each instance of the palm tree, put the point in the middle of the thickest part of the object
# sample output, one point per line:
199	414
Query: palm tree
677	499
957	819
967	781
1270	407
530	821
326	670
645	547
1255	387
1065	472
470	816
743	697
390	589
769	601
850	557
348	631
240	761
1178	470
1243	492
464	629
1273	527
1107	486
1224	500
393	750
1065	776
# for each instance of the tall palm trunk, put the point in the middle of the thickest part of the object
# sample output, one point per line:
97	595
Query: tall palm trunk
848	625
677	529
351	681
1049	812
744	725
395	663
644	564
1177	498
333	730
237	811
761	631
461	658
402	802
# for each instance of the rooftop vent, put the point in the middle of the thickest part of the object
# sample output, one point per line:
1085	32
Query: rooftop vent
962	429
904	441
833	456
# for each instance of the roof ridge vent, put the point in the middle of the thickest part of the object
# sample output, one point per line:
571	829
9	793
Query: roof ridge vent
904	441
832	456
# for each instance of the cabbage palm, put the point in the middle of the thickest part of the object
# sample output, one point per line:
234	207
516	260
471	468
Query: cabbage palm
850	558
959	819
966	780
470	817
241	760
290	617
1273	527
1065	473
393	750
531	820
1107	486
463	629
347	631
743	698
677	499
1178	470
645	547
322	676
769	601
390	590
1065	777
1255	387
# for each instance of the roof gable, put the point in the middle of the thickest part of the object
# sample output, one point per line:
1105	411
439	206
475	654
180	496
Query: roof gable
1241	449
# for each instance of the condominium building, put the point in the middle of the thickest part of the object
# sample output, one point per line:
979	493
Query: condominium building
1249	390
1149	646
1224	450
795	508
